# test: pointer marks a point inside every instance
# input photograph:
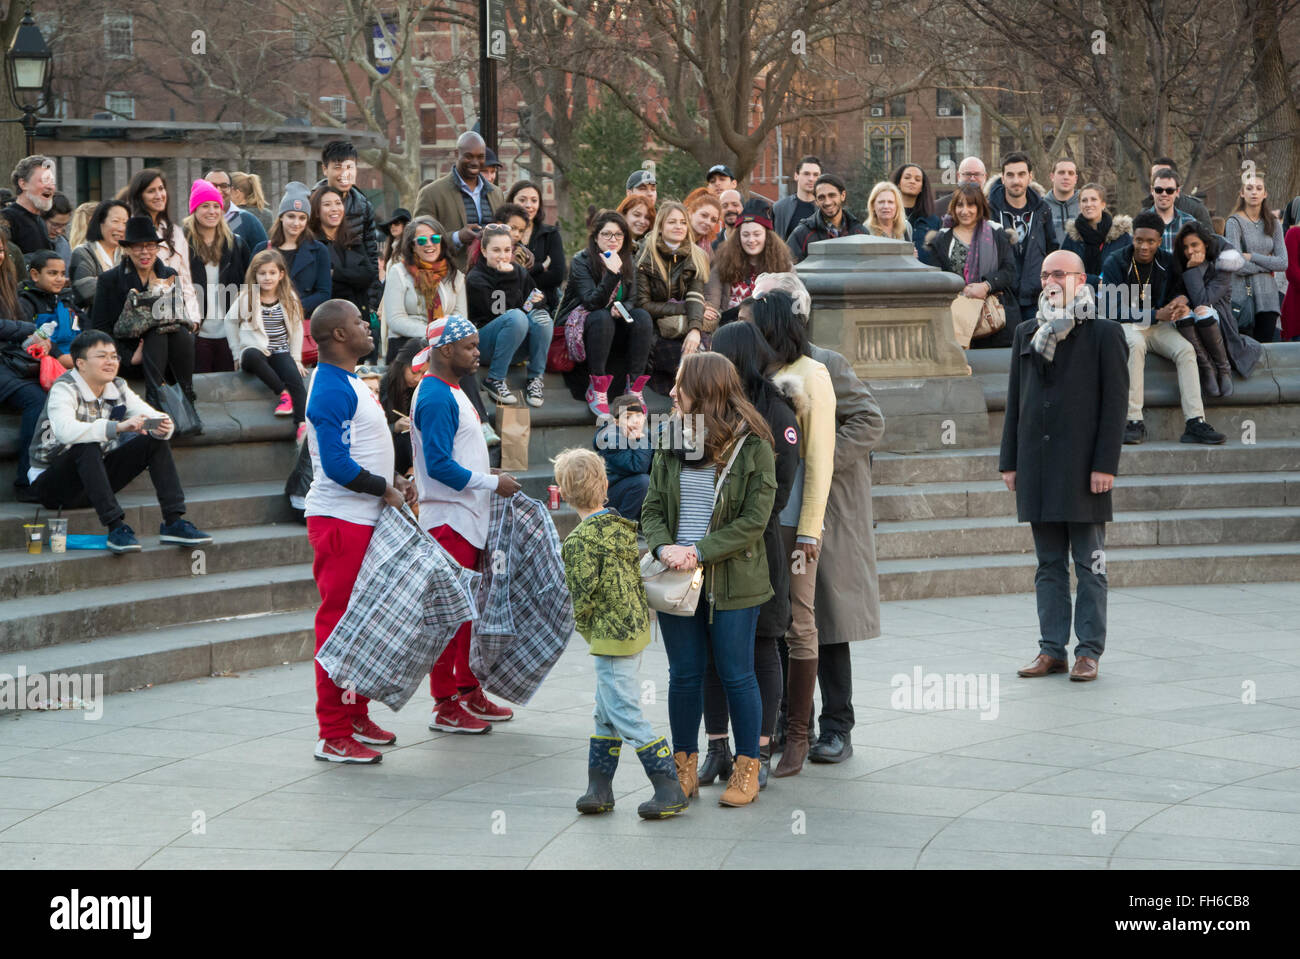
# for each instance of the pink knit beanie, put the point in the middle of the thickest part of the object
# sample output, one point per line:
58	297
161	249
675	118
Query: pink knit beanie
201	192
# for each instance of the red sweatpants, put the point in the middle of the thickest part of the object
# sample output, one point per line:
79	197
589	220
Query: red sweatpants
451	672
340	548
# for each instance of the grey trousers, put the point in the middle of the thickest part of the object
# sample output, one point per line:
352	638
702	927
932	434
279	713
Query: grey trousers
1055	543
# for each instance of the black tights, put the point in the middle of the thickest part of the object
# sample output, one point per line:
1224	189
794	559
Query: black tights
279	372
163	350
604	332
767	668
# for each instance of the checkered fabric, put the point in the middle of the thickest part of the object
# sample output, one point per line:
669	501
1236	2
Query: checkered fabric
409	599
527	616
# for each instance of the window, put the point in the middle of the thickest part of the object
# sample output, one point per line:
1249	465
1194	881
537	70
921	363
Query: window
1006	144
948	104
121	105
337	107
875	51
118	28
898	107
429	125
90	179
948	152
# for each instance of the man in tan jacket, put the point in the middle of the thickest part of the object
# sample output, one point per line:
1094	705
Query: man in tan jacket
463	200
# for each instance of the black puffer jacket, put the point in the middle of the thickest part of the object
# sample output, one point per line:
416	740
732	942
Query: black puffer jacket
776	404
547	271
353	276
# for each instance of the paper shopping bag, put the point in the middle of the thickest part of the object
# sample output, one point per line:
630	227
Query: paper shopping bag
514	428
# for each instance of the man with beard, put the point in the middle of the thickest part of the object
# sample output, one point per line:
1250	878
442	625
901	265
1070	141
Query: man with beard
1018	209
34	182
732	207
831	219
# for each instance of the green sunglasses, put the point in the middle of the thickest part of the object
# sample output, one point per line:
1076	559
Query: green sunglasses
426	240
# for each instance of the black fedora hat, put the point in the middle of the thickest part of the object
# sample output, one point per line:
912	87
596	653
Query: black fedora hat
139	229
401	213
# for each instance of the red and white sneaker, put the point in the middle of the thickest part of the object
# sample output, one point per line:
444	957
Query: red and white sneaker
346	750
478	705
450	716
365	730
286	405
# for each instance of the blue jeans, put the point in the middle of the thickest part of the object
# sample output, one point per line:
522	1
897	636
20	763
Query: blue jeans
1054	543
618	705
686	639
499	340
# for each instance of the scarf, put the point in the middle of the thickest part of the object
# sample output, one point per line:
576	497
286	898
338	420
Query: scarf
1094	240
427	277
1056	322
983	256
743	289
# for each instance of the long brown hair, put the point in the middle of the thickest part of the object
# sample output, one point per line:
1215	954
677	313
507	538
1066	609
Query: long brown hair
343	234
284	290
1267	219
222	240
651	256
713	385
733	264
8	280
974	196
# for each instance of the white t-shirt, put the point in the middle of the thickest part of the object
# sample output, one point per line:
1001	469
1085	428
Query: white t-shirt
347	432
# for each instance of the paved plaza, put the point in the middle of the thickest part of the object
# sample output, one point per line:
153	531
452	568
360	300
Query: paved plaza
1185	754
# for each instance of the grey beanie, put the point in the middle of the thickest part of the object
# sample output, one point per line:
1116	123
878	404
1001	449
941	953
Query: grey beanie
297	199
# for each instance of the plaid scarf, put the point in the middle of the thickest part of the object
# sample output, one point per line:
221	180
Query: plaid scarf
1056	322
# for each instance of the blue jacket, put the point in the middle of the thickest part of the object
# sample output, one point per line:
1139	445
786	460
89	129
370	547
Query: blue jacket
622	457
248	228
310	274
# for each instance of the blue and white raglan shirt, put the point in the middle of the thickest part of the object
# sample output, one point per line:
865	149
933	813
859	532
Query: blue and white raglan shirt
452	472
352	456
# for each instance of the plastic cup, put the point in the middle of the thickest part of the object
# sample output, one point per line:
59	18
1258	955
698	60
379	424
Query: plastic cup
58	535
33	532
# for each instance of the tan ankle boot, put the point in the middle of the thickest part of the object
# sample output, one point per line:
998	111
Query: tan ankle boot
743	788
688	773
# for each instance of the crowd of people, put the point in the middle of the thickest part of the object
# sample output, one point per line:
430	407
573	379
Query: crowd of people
765	491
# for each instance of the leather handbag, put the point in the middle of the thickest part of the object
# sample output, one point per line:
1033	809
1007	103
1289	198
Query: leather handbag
184	417
672	327
1243	311
677	591
973	318
142	313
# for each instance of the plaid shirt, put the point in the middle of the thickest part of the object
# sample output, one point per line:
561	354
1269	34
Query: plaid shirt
1172	228
527	614
409	599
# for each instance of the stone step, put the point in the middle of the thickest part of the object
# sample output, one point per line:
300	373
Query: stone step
241	548
137	659
1153	492
34	622
218	506
1262	422
965	536
989	575
956	466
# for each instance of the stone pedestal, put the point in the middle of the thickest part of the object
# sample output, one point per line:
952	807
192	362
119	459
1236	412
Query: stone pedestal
889	315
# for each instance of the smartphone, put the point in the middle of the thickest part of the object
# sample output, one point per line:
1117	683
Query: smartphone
152	423
621	310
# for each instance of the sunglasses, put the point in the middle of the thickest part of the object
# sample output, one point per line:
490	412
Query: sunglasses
1057	275
426	240
1164	189
496	229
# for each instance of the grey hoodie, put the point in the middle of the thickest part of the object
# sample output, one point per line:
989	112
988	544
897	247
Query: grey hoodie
1064	212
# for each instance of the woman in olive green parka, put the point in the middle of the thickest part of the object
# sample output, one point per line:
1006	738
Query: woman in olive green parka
685	527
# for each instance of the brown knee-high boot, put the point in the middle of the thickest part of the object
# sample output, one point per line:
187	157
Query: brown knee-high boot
799	692
1209	381
1212	337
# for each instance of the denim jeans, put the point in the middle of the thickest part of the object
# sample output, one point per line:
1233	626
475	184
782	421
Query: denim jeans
499	340
687	640
618	703
1054	542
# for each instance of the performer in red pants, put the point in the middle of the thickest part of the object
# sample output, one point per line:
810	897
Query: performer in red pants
454	482
352	462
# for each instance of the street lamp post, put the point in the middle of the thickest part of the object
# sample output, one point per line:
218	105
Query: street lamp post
28	63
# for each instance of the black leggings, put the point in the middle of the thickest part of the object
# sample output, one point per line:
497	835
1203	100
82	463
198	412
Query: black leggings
604	332
163	350
767	668
1265	329
279	372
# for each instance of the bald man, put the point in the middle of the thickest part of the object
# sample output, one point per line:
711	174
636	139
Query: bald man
970	170
463	200
1067	398
732	206
353	476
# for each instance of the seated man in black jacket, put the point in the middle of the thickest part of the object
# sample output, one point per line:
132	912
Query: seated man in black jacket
20	391
1141	288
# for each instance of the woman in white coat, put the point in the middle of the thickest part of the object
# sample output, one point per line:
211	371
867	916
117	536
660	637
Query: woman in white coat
421	285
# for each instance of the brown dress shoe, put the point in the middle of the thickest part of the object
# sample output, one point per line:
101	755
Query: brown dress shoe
1043	665
1085	669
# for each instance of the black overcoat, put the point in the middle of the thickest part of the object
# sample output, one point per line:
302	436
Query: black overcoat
1065	420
